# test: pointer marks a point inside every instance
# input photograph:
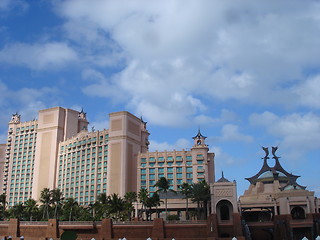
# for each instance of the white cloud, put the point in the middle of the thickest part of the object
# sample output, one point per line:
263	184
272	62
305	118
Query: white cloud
8	5
230	132
297	133
222	159
214	50
99	125
38	56
309	92
178	145
26	101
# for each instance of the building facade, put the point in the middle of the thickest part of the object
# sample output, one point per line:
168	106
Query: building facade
176	166
58	151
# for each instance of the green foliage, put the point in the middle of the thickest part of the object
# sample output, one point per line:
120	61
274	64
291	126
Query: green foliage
173	218
201	195
163	186
52	204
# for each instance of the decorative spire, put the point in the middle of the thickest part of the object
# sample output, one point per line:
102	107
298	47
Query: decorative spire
143	123
15	118
223	179
199	135
82	115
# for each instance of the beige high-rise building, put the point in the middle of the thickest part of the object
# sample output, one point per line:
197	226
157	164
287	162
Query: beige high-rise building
31	151
58	151
104	161
54	125
19	160
2	162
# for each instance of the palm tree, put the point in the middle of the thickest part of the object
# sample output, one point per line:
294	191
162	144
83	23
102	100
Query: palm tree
164	187
143	196
56	199
153	201
3	202
101	205
45	199
130	198
115	205
186	190
201	195
30	208
69	206
17	211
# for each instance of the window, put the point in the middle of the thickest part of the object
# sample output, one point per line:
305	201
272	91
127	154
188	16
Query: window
152	176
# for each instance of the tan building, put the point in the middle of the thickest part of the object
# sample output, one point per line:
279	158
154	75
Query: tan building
276	207
57	151
2	162
97	162
19	160
176	166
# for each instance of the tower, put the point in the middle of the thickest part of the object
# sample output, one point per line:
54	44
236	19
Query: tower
202	160
54	125
127	137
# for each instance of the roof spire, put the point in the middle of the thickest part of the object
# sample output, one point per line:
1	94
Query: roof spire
199	135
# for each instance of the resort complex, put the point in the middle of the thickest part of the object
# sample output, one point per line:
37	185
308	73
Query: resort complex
57	152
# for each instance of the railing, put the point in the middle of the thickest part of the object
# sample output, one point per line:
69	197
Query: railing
187	222
79	222
132	223
45	223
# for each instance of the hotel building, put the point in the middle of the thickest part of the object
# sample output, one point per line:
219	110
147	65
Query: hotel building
58	151
177	166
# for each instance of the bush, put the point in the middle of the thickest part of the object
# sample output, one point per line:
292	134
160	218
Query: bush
173	217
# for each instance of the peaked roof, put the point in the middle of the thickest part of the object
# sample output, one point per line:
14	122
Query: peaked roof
199	135
277	172
223	179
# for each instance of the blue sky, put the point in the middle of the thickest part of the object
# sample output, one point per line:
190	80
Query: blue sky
247	74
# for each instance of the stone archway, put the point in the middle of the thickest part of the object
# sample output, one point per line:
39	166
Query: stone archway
224	210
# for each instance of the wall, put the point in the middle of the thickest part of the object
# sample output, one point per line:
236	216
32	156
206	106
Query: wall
106	230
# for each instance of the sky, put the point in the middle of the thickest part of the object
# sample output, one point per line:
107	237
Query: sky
247	74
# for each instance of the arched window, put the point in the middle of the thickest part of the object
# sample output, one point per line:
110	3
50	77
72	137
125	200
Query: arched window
298	213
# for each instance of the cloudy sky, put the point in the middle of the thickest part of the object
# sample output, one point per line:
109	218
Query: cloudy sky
246	74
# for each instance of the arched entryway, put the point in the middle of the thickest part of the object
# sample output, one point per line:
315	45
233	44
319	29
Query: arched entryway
224	211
